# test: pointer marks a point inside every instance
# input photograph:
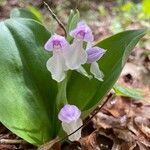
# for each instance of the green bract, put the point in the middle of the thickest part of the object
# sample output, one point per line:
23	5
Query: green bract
28	95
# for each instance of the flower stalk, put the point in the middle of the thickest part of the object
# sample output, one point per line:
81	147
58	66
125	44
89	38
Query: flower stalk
61	95
68	57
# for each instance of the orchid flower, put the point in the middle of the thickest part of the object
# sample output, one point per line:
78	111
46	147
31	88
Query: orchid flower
94	54
56	64
70	117
77	55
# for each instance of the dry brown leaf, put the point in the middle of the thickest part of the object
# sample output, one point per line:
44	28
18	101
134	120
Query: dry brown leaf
128	122
95	141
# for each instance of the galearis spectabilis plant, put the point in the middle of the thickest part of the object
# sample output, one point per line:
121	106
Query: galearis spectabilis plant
49	81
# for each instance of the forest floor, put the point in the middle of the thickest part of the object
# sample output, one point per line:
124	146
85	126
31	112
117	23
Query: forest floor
122	123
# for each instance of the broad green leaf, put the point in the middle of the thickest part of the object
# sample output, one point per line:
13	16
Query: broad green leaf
27	92
29	12
128	92
87	93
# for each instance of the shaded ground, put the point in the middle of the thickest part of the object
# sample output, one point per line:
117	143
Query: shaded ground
117	128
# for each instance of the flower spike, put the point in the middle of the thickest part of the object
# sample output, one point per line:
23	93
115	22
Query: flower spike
66	56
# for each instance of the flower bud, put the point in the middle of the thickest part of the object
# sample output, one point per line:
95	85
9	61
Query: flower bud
69	113
94	54
71	121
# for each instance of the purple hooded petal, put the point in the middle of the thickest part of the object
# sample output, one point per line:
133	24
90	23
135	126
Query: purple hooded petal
69	113
56	42
94	54
82	32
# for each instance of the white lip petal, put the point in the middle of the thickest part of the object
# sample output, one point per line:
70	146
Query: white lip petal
56	65
95	70
71	127
76	56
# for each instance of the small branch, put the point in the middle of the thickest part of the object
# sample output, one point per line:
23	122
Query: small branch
110	96
55	17
8	141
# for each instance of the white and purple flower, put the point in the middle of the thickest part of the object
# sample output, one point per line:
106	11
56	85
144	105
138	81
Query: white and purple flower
70	117
77	55
56	64
94	54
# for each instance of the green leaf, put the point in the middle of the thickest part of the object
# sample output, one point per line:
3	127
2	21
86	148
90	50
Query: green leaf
128	92
74	20
29	12
69	20
27	92
87	93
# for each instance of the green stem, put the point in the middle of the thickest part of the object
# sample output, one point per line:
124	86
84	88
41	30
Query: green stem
61	95
61	100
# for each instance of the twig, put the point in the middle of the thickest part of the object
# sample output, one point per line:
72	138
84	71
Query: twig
56	18
8	141
110	96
